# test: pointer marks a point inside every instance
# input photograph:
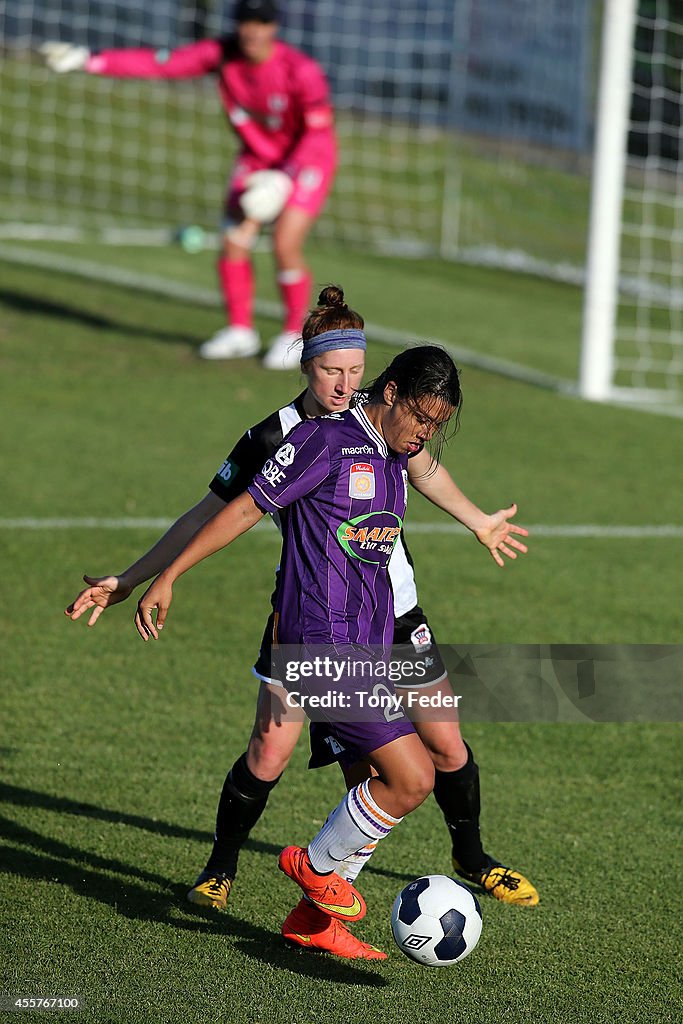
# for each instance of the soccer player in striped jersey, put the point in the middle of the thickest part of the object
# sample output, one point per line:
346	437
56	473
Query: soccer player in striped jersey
277	101
333	375
334	596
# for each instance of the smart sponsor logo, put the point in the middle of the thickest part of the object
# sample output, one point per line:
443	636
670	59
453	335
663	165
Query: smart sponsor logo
371	537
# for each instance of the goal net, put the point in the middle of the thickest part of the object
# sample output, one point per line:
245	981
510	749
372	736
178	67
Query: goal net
463	126
648	339
466	131
633	320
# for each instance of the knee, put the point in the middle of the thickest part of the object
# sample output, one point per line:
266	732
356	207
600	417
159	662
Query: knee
425	782
446	748
237	243
417	787
287	250
266	758
449	757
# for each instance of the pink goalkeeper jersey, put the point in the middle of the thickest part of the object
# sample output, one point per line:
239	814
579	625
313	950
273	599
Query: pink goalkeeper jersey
280	109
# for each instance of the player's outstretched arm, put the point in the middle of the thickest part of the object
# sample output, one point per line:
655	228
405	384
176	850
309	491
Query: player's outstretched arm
494	531
190	61
104	591
233	520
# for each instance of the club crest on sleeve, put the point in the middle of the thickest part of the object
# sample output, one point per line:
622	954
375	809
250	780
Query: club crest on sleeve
362	481
285	454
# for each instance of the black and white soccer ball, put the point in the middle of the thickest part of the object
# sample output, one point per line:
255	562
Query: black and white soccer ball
436	921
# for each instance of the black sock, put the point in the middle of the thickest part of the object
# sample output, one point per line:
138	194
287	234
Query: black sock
457	794
243	801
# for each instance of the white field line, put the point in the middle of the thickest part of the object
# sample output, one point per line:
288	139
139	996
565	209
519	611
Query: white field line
591	530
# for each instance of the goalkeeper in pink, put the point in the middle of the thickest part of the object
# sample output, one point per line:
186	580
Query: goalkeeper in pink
277	101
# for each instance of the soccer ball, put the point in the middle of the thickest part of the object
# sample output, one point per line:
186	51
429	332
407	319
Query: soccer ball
436	921
265	195
191	238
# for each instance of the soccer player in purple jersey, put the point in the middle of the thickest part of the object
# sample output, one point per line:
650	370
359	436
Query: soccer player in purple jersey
277	101
334	593
332	377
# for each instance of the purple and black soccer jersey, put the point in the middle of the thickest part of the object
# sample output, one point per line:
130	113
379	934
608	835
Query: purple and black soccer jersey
411	630
248	456
345	493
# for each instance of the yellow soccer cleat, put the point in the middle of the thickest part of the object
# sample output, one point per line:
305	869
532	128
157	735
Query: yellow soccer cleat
505	884
211	889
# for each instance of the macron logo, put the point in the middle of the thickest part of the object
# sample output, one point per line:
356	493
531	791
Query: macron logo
363	449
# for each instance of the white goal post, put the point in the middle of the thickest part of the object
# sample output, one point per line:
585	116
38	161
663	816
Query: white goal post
609	166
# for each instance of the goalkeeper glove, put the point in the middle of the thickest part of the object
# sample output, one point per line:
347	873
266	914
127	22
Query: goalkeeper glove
265	195
62	57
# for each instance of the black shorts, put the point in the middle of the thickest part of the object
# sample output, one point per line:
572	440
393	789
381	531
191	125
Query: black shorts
414	644
264	667
414	647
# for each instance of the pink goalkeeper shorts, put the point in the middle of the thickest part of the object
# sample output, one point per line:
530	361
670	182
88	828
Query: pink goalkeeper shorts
312	186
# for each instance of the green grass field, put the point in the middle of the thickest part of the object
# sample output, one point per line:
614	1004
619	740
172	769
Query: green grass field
114	751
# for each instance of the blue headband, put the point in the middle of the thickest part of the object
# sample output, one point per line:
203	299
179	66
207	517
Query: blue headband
330	341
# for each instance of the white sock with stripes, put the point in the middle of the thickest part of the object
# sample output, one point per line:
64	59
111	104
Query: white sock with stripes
354	824
350	868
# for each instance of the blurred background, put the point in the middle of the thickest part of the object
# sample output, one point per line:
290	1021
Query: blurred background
467	132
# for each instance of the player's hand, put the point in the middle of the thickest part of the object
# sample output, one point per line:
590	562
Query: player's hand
157	598
101	592
63	57
497	534
265	195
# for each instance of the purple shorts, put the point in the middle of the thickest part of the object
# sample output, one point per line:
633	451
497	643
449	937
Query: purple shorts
346	693
348	743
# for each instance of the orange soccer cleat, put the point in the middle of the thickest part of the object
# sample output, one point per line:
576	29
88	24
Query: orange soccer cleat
330	893
311	928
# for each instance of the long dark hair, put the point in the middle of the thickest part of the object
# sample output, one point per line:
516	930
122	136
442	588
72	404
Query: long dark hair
424	371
